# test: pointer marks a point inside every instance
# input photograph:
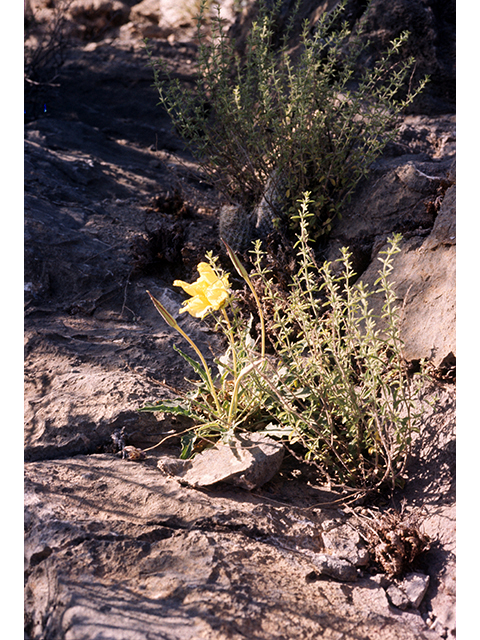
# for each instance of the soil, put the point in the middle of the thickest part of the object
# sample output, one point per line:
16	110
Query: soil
114	205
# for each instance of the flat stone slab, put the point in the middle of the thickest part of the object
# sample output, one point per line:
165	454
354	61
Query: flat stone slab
247	461
114	549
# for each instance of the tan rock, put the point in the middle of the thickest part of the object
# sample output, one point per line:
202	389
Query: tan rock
247	460
425	285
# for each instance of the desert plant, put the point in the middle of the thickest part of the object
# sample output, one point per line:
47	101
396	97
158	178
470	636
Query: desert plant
46	42
340	382
311	124
336	382
230	401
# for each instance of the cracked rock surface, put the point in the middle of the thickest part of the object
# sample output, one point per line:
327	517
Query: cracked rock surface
116	545
116	548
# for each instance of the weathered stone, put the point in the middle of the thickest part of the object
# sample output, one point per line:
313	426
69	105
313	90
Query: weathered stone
424	282
75	411
415	586
345	542
147	9
169	18
393	199
116	548
409	592
397	597
97	16
336	568
247	460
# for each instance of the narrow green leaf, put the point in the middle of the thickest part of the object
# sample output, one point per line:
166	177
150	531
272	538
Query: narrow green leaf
188	441
194	364
167	407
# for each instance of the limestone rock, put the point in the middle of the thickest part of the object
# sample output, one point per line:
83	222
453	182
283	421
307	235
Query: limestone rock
147	9
397	597
415	586
336	568
425	286
344	542
175	20
94	17
247	461
393	198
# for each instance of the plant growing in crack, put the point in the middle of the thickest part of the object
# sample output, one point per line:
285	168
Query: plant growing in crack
304	122
334	381
230	402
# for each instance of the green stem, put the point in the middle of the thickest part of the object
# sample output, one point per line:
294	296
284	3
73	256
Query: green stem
232	343
234	401
170	320
243	273
205	366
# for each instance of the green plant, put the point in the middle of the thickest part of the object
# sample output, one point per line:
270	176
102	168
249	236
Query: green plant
311	124
231	401
340	382
336	382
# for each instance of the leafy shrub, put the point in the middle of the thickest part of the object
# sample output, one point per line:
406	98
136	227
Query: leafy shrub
313	124
336	382
339	382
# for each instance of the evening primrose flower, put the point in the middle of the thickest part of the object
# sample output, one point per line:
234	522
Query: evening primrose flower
208	293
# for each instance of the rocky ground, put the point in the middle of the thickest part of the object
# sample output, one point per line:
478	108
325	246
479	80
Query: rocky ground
114	206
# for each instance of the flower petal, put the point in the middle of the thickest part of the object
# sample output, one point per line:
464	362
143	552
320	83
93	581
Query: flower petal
217	294
188	288
208	292
207	273
198	306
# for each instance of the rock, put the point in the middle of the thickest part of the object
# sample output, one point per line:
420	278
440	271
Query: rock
147	9
247	461
392	199
415	586
417	199
397	597
344	542
146	16
425	286
409	592
336	568
76	410
95	17
435	137
444	228
174	19
116	548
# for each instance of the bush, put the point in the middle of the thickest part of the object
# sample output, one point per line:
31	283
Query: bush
313	124
46	41
336	383
339	382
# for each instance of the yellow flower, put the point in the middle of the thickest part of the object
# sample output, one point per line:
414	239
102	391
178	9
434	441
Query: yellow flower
208	293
